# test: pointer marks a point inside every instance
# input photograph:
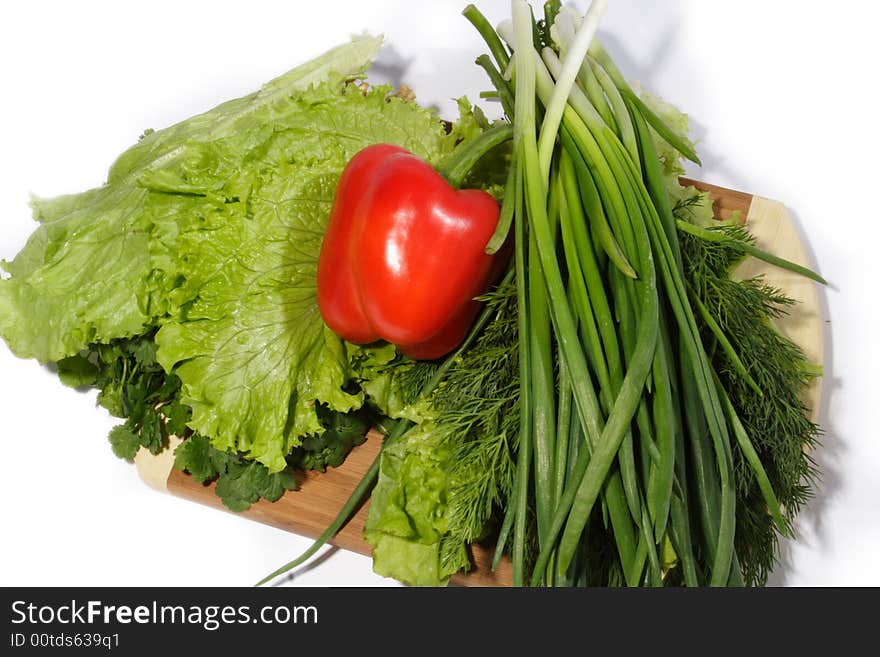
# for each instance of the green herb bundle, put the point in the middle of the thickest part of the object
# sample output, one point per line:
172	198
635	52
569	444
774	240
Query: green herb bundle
622	412
765	375
680	464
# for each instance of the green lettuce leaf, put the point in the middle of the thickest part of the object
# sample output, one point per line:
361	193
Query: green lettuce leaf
209	230
392	382
97	268
407	524
689	202
81	277
245	336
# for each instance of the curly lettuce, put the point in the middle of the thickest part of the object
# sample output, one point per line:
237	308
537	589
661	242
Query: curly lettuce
407	523
209	231
688	200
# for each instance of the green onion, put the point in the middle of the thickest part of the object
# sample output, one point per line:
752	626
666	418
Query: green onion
626	433
719	235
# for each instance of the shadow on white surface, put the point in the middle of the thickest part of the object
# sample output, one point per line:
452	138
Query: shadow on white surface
389	67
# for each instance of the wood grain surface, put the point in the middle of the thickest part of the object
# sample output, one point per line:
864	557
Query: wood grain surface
726	202
310	509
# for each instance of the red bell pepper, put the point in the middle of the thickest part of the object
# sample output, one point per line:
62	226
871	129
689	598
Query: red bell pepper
403	255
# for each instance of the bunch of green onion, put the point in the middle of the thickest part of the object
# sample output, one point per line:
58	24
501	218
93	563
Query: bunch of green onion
608	415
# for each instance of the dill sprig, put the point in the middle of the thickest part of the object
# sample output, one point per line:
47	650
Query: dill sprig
476	409
412	375
687	207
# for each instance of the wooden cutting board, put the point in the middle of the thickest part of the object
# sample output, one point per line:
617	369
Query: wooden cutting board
310	509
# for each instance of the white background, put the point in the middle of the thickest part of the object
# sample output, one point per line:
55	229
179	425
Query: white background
782	99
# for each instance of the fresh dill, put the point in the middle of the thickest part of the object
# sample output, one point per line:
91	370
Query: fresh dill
477	410
774	414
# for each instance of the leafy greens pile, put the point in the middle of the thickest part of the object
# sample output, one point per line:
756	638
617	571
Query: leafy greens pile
184	290
184	287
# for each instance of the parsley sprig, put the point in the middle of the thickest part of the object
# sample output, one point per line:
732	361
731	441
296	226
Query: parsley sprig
133	386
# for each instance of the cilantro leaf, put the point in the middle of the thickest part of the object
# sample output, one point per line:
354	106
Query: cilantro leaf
240	482
152	436
342	431
242	485
245	482
124	441
145	353
196	456
77	371
177	415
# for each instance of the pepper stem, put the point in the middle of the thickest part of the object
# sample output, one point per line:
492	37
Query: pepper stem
458	165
